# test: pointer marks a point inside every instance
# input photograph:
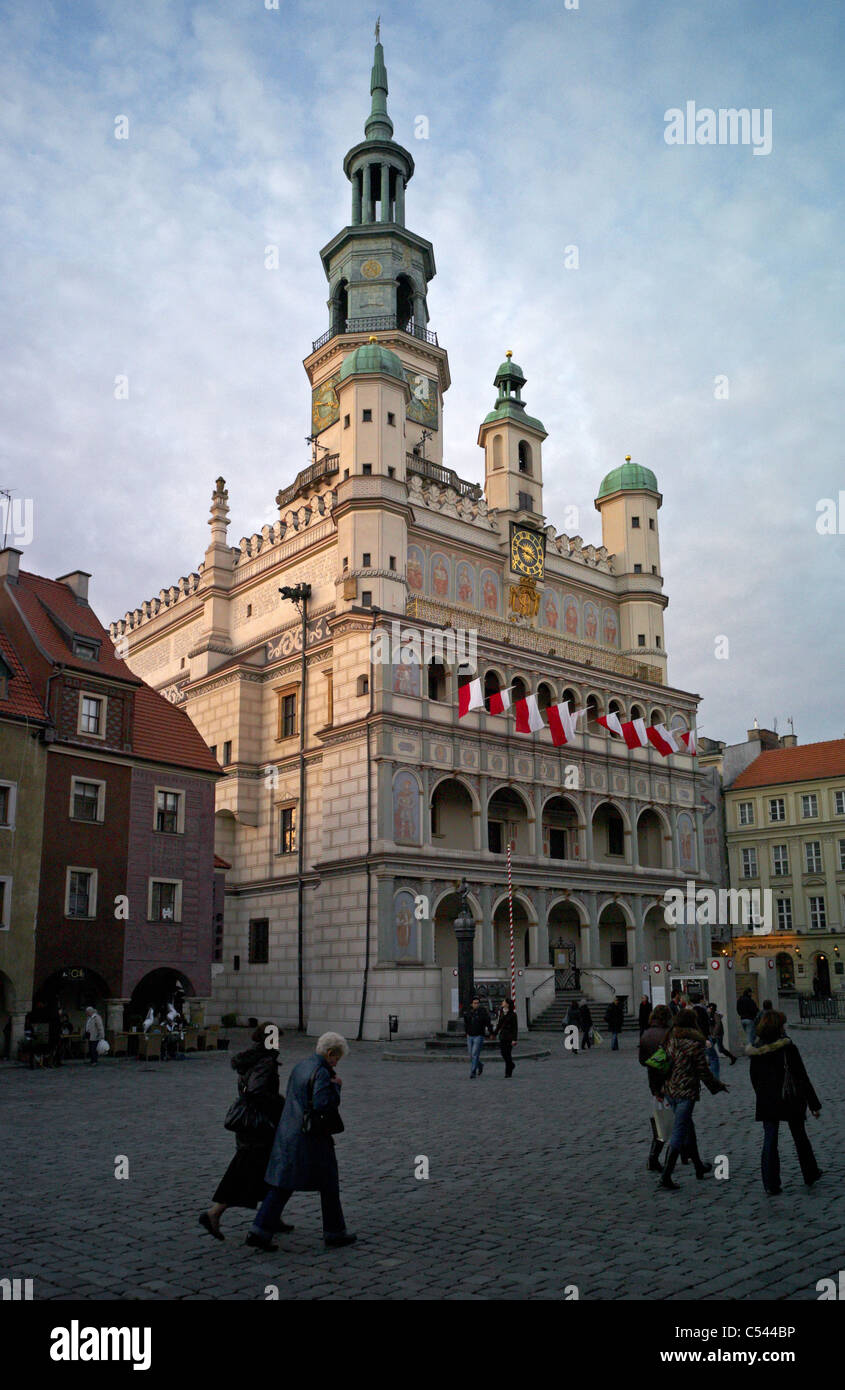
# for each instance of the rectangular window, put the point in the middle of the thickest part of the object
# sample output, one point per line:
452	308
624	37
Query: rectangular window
557	842
784	910
367	470
367	598
91	716
638	569
366	559
89	651
640	639
813	856
635	523
287	830
87	800
839	803
227	752
346	422
780	861
393	562
391	418
5	903
329	675
287	716
525	502
81	893
391	472
842	856
657	643
746	812
654	569
495	837
169	813
615	836
777	808
818	915
651	523
749	863
212	748
217	949
366	416
165	902
809	805
259	941
8	797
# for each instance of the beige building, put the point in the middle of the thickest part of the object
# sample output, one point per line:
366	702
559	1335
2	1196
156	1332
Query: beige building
785	816
347	850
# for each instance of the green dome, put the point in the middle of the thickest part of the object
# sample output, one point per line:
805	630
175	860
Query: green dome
509	370
372	357
631	477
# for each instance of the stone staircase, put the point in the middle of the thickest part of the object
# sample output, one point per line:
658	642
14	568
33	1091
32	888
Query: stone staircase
552	1019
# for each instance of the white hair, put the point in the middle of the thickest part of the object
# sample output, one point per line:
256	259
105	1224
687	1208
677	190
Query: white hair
331	1042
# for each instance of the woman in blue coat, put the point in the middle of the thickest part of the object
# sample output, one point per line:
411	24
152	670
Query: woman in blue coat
302	1158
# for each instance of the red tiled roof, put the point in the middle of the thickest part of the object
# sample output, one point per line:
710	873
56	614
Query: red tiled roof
22	700
794	765
220	863
37	598
164	734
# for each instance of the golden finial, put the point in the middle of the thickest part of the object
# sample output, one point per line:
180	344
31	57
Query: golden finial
372	338
627	458
509	354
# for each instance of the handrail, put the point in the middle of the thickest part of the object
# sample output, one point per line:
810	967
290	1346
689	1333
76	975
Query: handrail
438	473
376	323
540	985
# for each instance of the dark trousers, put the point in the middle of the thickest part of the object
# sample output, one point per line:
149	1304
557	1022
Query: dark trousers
92	1050
770	1158
270	1212
614	1046
506	1049
586	1039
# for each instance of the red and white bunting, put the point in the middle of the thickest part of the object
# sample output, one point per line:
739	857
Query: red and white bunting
563	723
612	723
500	701
529	720
661	739
470	697
635	733
690	741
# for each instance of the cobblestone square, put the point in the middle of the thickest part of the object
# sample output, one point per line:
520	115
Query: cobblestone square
535	1184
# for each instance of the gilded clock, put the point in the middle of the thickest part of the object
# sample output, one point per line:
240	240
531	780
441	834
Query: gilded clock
324	404
528	552
371	269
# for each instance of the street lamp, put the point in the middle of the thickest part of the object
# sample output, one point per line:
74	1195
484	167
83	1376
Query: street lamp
300	594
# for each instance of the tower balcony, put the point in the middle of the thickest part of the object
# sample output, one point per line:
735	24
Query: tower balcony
378	323
446	477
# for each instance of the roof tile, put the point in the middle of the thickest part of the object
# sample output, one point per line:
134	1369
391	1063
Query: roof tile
801	764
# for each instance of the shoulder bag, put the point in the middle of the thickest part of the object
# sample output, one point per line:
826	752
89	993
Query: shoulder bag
320	1124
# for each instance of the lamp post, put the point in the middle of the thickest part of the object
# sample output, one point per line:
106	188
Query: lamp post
300	594
464	925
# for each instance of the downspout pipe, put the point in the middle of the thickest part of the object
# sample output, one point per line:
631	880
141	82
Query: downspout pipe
360	1033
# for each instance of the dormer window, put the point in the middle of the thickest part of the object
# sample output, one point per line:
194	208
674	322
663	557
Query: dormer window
88	651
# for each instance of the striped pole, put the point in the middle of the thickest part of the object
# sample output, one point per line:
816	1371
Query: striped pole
510	912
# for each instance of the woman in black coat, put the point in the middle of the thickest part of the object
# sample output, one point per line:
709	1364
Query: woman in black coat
242	1184
506	1032
585	1023
784	1092
653	1037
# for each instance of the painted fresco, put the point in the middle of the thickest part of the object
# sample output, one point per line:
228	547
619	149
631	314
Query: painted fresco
440	576
550	610
465	584
570	615
416	569
406	807
406	679
591	622
490	592
686	841
405	928
610	628
422	407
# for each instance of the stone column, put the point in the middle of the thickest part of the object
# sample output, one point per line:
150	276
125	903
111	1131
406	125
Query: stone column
18	1018
593	942
369	204
464	928
639	940
635	844
385	193
419	310
539	941
399	214
114	1014
356	198
427	925
482	799
588	828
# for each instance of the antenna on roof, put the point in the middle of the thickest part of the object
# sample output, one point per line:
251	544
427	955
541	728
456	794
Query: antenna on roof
7	512
775	724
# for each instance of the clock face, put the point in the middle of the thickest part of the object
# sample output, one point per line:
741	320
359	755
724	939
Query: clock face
324	404
371	269
527	553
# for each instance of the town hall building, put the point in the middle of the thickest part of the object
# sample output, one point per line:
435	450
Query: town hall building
355	800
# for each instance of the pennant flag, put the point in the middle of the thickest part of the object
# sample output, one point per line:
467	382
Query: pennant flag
691	745
500	701
612	723
563	724
529	720
662	740
470	696
634	733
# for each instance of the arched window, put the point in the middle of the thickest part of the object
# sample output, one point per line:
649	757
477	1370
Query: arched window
657	717
545	695
497	451
340	307
570	695
404	301
519	689
492	684
637	712
593	712
524	457
436	680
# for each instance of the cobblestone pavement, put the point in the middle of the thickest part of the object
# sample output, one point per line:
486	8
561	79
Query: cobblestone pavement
545	1173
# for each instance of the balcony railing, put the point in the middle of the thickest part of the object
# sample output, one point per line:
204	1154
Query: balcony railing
446	477
377	323
542	640
325	467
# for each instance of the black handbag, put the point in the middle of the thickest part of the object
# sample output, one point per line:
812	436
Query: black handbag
320	1124
791	1092
245	1117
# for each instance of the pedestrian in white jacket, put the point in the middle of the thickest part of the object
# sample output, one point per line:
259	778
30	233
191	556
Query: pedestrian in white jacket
94	1032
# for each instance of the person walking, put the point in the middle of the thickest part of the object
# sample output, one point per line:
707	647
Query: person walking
585	1023
477	1024
644	1013
717	1032
675	1002
573	1020
254	1118
652	1038
614	1017
94	1032
747	1010
302	1158
682	1088
784	1092
507	1032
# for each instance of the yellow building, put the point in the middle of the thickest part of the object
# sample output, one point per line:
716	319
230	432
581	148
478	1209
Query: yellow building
785	818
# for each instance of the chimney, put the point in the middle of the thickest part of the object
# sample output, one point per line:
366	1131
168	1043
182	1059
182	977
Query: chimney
767	738
789	741
9	564
77	582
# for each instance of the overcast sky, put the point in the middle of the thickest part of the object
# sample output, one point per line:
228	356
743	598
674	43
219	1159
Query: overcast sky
144	257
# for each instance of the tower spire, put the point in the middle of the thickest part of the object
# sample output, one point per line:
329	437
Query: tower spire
379	125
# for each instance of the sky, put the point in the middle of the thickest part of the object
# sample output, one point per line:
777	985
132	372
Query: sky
699	331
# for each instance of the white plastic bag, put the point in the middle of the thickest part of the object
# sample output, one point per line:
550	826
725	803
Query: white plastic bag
102	1048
